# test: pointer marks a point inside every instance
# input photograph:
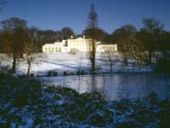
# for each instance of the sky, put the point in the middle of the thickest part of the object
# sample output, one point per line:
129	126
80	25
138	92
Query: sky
112	14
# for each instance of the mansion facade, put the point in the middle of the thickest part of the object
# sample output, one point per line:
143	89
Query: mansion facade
80	44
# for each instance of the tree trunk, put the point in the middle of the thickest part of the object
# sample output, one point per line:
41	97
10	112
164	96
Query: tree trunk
140	64
29	67
93	64
93	57
14	64
125	61
150	57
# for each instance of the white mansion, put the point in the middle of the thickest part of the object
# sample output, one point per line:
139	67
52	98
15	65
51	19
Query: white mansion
80	44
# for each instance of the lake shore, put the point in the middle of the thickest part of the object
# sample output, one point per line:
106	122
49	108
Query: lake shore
26	103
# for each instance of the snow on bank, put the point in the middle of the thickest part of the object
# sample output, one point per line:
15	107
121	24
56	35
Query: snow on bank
56	109
30	105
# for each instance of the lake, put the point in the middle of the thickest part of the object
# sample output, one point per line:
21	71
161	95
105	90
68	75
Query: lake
117	86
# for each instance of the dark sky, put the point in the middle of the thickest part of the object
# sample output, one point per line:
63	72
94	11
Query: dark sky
55	14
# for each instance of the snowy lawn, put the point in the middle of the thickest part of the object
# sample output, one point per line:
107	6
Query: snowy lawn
26	103
65	62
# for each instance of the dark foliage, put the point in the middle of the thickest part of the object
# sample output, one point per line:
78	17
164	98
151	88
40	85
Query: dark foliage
22	98
163	65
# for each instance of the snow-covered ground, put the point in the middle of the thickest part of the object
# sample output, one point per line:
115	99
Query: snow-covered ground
60	62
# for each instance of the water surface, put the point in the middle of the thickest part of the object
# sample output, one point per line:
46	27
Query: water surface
117	86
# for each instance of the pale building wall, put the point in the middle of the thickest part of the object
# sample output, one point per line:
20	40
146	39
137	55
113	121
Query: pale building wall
51	48
106	47
79	44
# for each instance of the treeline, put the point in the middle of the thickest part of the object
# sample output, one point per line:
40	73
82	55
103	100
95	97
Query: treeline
152	34
144	43
16	39
38	36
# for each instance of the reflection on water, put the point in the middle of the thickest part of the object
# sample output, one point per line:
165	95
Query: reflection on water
116	86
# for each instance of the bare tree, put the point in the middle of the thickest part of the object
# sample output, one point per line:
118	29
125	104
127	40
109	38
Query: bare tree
136	51
151	35
30	55
31	48
109	54
122	37
94	33
14	36
92	25
13	23
41	37
130	45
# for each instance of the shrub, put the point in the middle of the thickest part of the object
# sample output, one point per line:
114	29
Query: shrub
80	72
65	73
163	65
31	75
52	73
